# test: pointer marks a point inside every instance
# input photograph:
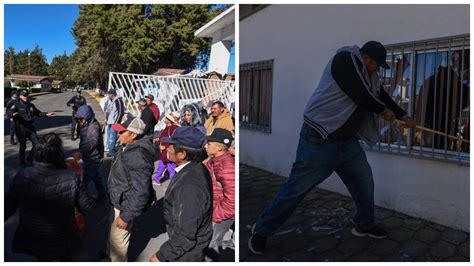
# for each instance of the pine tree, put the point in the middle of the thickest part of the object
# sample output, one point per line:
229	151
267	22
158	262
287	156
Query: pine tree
138	39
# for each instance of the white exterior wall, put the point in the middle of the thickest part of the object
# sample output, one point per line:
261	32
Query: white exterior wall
222	31
220	53
301	39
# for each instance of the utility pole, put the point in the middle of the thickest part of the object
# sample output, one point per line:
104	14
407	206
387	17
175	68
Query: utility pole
29	70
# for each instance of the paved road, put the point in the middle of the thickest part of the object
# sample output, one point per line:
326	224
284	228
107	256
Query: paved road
149	231
319	229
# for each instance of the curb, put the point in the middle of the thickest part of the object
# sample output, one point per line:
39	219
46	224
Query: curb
94	95
39	93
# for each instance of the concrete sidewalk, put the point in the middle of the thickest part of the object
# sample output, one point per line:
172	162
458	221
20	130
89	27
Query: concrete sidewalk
320	230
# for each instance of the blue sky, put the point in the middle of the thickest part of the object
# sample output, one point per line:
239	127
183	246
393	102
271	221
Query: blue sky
49	26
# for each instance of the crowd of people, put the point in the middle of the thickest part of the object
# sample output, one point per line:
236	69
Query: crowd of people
193	151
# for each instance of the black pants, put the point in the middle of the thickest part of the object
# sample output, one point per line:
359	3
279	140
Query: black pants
12	131
23	134
74	129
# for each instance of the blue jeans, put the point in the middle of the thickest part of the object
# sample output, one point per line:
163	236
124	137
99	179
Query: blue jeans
316	160
111	139
91	172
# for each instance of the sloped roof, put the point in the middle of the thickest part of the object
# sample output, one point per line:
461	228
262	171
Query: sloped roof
168	71
27	77
221	21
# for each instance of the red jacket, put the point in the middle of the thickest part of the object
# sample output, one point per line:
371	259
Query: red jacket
167	132
222	170
156	111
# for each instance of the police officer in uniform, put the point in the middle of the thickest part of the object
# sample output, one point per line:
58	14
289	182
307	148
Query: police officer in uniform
23	113
76	101
13	99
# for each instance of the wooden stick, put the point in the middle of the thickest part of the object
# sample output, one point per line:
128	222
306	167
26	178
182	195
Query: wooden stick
436	132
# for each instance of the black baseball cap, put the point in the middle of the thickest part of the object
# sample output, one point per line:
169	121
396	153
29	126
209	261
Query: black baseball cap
141	102
150	96
112	91
187	136
24	93
221	135
376	51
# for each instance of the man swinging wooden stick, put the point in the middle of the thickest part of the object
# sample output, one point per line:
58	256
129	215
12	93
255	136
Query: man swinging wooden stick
343	109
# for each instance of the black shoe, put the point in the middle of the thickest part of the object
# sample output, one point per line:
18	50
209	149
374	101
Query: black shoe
212	254
375	232
257	242
13	142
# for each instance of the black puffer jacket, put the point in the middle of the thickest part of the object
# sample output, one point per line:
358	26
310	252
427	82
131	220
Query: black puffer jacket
47	196
187	209
91	144
148	118
129	182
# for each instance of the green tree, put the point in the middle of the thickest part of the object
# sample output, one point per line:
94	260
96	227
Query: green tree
138	38
9	61
59	68
77	75
31	62
39	65
97	51
173	27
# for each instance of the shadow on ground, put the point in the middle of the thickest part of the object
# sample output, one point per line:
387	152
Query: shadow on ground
320	229
43	122
149	225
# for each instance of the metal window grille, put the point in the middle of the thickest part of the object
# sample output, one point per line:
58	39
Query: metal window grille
171	93
430	79
256	81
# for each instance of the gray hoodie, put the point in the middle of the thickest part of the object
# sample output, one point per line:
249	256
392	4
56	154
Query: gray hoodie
114	110
329	107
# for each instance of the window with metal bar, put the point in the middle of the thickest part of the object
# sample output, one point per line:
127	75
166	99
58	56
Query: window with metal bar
430	80
256	81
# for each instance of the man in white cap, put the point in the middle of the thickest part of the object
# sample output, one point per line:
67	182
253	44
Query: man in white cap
129	184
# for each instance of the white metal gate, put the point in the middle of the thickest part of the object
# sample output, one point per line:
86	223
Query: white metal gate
171	93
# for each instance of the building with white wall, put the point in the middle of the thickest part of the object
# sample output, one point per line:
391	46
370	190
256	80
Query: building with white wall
283	50
42	83
221	30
